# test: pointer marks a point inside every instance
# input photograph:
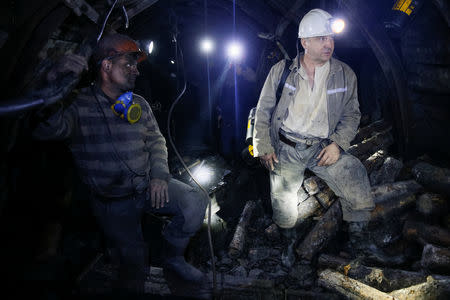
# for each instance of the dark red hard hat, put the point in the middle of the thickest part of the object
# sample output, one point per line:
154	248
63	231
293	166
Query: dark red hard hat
117	44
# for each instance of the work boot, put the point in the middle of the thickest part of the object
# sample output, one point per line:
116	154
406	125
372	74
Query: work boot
175	261
288	255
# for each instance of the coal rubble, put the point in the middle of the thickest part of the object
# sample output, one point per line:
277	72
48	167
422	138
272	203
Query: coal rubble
407	255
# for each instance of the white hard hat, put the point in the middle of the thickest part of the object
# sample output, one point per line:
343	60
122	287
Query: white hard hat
315	23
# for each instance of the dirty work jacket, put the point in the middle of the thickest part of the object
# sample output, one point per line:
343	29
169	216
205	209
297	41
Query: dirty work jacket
342	104
113	157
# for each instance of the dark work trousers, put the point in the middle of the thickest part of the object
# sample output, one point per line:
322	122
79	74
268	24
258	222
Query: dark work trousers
120	221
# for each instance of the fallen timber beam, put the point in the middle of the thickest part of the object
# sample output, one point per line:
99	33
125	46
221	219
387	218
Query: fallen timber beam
426	234
238	241
431	289
383	279
375	161
370	130
314	204
436	259
349	288
432	205
387	173
433	178
321	234
380	141
388	191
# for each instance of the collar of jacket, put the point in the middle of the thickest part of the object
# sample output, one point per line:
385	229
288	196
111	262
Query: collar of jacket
334	66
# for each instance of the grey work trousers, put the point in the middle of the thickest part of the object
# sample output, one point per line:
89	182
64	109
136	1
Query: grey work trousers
347	178
120	221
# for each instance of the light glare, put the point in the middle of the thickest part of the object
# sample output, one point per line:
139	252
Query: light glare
150	47
207	45
337	25
203	174
234	50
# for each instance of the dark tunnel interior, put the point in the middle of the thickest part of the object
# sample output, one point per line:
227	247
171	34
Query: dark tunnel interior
52	244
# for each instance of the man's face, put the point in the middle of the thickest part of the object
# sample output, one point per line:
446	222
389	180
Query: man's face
319	49
124	72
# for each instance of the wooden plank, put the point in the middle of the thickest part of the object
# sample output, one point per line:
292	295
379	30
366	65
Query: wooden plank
350	288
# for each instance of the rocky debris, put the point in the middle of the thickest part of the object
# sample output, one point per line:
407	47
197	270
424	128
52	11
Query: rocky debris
408	256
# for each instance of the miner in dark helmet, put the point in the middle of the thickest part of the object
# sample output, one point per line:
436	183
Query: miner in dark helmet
121	156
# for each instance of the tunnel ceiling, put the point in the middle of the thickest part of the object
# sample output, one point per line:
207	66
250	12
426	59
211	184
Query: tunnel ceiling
33	31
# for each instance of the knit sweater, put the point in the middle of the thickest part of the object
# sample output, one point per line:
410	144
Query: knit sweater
114	158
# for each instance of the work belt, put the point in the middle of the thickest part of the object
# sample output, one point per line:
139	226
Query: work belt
307	142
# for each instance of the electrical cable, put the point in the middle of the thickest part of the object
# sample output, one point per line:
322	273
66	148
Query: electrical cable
169	117
106	20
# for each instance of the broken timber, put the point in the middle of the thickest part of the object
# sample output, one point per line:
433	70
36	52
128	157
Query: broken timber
349	288
426	234
321	234
436	259
384	279
370	130
387	191
430	290
375	161
238	241
363	150
433	178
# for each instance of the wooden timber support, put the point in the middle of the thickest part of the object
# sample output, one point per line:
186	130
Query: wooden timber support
349	288
380	141
431	289
372	28
321	234
384	279
434	178
239	237
436	259
426	234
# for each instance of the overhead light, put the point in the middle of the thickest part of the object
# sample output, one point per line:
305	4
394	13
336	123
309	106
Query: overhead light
235	50
172	61
337	25
207	45
150	47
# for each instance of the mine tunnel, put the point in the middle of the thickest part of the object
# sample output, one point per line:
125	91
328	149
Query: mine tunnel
203	68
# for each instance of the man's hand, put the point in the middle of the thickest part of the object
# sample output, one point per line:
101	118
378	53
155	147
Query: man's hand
66	64
329	155
158	192
268	161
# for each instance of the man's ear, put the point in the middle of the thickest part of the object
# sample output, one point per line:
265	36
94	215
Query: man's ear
106	65
304	43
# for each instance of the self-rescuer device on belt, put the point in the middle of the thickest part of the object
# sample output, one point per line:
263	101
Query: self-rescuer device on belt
126	109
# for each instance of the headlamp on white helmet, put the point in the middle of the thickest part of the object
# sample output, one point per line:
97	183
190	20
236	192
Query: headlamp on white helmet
318	22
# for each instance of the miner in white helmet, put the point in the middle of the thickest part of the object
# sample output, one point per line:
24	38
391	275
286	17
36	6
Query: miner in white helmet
311	127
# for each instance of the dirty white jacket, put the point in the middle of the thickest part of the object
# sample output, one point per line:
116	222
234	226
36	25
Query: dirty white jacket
342	104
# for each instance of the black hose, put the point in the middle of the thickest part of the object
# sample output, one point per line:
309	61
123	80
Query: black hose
189	172
54	92
15	106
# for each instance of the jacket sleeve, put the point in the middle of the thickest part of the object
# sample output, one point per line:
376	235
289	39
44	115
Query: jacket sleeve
55	122
348	124
266	104
155	144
